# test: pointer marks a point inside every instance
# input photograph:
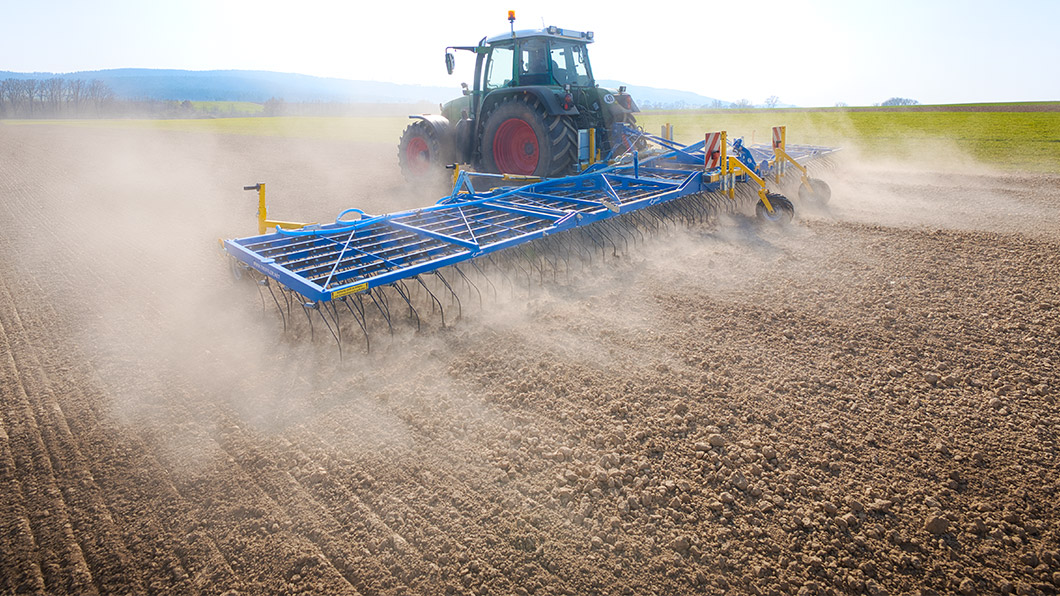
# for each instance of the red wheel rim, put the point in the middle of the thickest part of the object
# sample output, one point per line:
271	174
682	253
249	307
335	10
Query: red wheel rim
417	155
515	148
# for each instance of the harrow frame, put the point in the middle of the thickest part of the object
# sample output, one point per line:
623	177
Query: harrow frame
326	263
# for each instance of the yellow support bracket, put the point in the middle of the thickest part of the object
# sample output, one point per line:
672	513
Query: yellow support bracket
263	222
782	155
736	167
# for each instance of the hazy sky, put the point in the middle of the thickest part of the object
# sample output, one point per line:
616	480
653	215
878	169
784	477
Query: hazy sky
809	53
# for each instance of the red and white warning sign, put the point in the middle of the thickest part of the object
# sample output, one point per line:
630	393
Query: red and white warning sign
712	150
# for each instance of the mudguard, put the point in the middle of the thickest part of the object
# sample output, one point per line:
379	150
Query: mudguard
443	130
552	102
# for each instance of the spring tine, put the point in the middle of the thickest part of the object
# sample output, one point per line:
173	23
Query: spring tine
287	299
305	308
459	307
360	322
384	299
589	232
525	253
552	250
433	297
379	307
474	263
262	296
470	284
577	241
278	307
621	234
504	273
329	307
515	261
407	299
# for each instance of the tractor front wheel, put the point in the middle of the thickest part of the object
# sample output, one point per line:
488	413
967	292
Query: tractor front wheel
520	137
420	153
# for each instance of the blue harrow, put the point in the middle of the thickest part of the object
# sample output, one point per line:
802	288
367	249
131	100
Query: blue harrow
364	264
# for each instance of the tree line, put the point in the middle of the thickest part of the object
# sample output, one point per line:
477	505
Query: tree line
54	98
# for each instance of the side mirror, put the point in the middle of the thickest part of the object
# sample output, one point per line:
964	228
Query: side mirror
450	62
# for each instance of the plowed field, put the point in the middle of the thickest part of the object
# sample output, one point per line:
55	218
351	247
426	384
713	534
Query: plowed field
864	402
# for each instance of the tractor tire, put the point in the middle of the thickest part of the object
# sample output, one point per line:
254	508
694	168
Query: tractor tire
420	153
520	137
818	193
783	210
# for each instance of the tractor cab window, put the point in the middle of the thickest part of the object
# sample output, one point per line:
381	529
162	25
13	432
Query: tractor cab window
534	63
500	69
570	63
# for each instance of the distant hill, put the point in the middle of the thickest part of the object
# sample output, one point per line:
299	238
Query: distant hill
259	86
670	99
246	85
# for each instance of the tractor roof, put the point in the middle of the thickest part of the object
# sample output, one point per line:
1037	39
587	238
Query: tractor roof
554	32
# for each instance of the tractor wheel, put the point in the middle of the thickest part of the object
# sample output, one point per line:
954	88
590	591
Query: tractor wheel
818	193
420	153
783	210
520	137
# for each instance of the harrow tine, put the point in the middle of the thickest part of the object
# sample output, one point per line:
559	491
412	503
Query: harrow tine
433	297
407	299
503	272
515	261
274	299
621	234
525	253
262	296
330	308
360	322
305	308
382	311
474	263
459	306
592	236
470	285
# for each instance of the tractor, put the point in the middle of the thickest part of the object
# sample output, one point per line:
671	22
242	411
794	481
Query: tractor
532	111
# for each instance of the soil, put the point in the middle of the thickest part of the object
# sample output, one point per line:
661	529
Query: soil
862	402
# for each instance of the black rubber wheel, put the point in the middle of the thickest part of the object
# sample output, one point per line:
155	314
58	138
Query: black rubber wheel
521	138
783	210
819	194
420	153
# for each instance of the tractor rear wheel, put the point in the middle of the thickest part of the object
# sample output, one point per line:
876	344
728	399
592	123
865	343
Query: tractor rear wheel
520	137
420	153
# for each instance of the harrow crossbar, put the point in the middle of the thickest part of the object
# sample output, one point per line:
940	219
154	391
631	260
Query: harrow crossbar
327	262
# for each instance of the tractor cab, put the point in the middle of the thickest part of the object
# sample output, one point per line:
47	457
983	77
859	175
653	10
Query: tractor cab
551	57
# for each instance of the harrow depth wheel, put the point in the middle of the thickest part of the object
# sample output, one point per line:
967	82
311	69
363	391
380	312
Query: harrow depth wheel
783	210
817	193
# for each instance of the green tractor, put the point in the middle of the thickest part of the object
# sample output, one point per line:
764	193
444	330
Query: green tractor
529	113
